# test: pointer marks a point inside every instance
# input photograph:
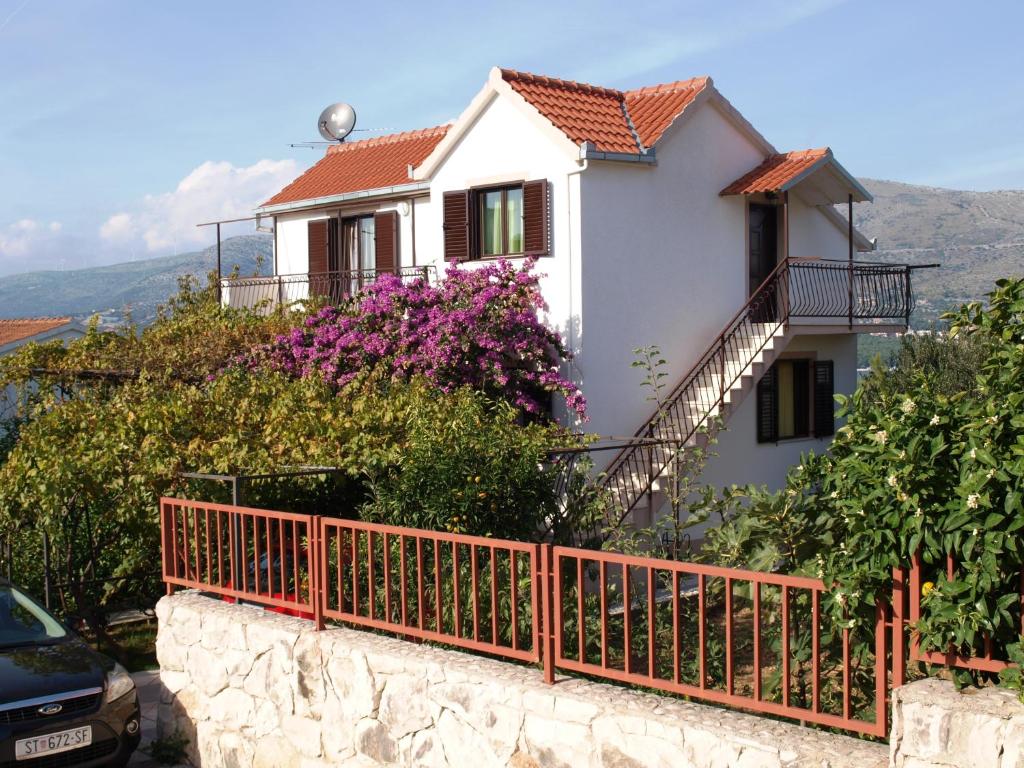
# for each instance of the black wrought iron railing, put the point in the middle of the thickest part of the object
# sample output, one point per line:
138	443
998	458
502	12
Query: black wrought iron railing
266	293
856	293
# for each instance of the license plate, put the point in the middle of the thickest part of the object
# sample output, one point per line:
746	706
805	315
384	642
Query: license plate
51	743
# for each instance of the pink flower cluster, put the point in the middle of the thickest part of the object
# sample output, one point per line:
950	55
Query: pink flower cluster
477	327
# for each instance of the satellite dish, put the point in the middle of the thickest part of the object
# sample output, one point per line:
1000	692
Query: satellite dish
337	121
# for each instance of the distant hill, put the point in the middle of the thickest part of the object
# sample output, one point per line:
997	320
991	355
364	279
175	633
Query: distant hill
138	286
977	237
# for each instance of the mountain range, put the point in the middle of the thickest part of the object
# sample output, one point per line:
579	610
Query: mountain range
137	287
977	237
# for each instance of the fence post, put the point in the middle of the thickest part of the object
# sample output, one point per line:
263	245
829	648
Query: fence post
317	567
899	648
47	581
547	623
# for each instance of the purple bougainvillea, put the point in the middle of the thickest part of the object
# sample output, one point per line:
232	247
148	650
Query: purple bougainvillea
478	327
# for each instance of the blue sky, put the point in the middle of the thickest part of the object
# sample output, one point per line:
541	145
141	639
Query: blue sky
122	124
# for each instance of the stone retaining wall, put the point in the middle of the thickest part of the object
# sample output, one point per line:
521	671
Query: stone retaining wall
251	688
935	726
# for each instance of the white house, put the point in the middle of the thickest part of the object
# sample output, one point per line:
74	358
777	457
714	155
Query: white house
660	216
17	332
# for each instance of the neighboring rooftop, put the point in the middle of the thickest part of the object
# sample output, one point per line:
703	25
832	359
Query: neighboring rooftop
355	166
22	329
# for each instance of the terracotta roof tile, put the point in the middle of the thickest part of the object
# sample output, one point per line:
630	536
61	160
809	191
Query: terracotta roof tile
20	329
614	121
580	111
773	174
382	161
653	109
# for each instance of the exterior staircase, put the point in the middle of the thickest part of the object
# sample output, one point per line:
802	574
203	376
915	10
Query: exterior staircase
703	400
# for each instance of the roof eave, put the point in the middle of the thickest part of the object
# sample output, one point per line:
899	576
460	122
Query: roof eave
345	197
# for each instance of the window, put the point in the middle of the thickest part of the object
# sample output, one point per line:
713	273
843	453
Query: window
500	221
795	399
510	220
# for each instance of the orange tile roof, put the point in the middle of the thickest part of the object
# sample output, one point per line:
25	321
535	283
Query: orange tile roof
775	172
353	166
23	328
614	121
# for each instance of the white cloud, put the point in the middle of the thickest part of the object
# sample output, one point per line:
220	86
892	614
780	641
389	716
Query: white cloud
22	239
212	191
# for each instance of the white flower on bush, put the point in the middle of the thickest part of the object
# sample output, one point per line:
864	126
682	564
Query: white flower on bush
919	512
934	420
891	480
881	436
990	474
834	495
901	496
972	501
908	406
992	420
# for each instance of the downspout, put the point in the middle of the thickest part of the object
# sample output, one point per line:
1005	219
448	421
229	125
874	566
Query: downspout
583	163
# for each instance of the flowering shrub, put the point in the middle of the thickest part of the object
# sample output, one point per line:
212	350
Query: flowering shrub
477	328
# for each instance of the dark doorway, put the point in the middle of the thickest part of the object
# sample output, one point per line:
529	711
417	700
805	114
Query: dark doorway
763	239
763	254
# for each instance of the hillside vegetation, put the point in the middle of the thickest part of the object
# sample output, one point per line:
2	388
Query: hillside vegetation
136	286
977	237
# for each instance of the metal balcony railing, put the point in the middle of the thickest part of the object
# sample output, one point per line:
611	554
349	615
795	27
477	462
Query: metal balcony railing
267	293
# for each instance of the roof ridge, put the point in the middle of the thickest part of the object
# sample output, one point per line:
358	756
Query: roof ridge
555	82
390	138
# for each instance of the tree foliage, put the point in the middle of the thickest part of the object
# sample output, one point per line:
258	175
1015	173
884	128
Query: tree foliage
923	464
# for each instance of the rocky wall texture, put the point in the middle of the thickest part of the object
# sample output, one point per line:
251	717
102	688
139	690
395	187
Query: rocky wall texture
251	688
936	726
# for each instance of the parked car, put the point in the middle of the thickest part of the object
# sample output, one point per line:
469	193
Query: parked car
61	702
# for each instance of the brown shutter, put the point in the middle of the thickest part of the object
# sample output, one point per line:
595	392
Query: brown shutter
317	233
457	226
824	398
536	222
385	240
768	408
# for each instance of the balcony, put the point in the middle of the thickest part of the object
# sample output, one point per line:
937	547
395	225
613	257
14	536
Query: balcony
265	294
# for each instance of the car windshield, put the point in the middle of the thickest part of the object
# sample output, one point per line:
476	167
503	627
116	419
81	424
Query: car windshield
24	622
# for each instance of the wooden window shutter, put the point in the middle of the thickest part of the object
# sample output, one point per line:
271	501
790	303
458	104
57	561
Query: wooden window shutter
317	233
385	240
824	398
536	219
768	407
457	226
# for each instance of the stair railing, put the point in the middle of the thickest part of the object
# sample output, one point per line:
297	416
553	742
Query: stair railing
796	288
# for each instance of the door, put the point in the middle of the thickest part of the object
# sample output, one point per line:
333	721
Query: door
763	255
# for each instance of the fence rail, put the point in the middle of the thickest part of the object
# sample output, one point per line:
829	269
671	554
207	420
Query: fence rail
982	657
651	623
267	293
747	639
257	555
472	592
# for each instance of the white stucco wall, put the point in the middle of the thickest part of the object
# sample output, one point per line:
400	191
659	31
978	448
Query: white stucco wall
664	261
741	459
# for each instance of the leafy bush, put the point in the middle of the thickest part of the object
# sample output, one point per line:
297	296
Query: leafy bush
920	465
467	466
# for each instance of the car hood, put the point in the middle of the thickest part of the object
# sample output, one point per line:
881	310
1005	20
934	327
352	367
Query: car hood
38	671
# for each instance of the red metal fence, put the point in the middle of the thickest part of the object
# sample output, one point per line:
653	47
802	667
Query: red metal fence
981	658
748	639
467	591
256	555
